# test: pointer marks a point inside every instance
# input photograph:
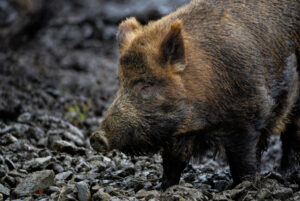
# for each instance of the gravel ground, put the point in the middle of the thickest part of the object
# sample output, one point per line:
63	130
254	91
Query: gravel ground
57	77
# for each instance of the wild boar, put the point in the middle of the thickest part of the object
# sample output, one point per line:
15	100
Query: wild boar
211	74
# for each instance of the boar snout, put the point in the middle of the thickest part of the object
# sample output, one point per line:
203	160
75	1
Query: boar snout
99	142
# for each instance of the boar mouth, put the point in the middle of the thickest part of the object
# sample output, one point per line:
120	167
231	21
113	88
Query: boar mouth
141	146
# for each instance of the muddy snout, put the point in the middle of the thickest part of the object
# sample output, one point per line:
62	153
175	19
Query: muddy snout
99	142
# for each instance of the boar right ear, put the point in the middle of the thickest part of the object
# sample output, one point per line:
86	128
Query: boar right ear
172	47
127	31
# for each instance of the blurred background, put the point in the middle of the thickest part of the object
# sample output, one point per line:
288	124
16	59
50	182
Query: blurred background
57	55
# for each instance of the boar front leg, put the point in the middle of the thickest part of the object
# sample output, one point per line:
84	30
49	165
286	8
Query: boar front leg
176	156
241	155
173	165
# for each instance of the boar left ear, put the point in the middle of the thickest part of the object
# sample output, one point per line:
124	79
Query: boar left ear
172	47
127	31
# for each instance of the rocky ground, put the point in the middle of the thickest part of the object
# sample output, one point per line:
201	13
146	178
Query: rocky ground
58	64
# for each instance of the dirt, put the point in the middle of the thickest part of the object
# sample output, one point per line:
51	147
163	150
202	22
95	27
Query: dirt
57	77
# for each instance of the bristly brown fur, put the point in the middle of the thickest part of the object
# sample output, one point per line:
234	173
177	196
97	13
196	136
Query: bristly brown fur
211	74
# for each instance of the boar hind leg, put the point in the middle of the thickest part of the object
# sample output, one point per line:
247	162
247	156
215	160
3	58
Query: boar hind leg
241	156
290	161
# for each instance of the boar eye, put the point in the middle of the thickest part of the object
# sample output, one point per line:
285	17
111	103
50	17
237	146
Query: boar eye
143	88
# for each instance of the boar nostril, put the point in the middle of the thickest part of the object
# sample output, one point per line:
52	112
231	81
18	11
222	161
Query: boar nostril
99	142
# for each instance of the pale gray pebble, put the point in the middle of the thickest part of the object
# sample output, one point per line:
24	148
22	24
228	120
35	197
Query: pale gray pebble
64	175
58	168
4	190
36	181
67	147
101	195
84	193
68	192
115	199
24	118
54	189
7	139
38	162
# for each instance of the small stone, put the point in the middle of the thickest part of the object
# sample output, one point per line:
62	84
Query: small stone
54	189
147	185
67	192
67	162
63	175
43	142
4	190
84	193
235	193
263	194
5	129
276	176
220	185
244	185
294	187
8	139
3	170
221	197
23	199
20	129
52	137
297	196
115	199
75	130
38	133
101	195
147	194
282	193
80	177
67	147
10	180
82	166
73	138
10	164
18	173
95	187
38	163
25	117
44	153
251	196
178	191
36	181
58	168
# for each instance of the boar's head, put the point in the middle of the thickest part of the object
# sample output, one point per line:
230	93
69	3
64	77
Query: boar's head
150	105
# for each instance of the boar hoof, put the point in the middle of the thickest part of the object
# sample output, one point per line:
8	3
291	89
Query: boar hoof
99	142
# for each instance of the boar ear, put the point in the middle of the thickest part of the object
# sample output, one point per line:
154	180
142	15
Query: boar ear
127	31
172	47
